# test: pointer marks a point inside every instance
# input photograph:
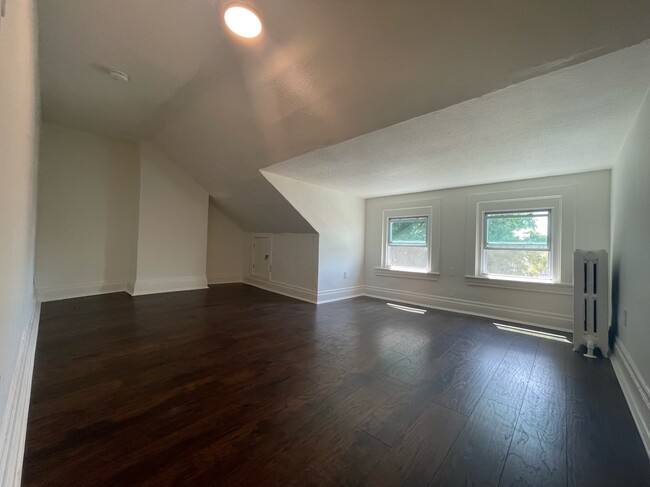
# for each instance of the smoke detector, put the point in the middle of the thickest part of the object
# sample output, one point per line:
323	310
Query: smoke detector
118	75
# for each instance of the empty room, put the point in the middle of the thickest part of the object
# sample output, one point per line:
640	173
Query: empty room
324	242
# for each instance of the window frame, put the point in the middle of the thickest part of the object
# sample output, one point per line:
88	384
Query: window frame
389	243
404	213
407	244
484	246
559	199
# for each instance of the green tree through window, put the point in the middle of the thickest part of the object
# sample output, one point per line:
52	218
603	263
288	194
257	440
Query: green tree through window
411	231
407	243
517	244
517	230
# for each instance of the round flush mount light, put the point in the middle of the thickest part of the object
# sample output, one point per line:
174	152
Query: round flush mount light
118	75
243	21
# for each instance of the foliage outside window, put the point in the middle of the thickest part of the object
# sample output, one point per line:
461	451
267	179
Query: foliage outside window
517	244
407	246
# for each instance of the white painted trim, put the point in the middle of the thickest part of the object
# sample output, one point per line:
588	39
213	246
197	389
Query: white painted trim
520	285
430	207
224	278
154	286
14	421
54	293
562	199
542	319
340	294
425	276
635	390
290	290
270	264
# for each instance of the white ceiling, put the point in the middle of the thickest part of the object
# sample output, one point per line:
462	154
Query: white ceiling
568	121
324	71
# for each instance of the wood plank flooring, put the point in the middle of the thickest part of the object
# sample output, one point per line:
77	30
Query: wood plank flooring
238	386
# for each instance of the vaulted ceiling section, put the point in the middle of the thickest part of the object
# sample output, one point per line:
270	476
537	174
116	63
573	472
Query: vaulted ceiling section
323	72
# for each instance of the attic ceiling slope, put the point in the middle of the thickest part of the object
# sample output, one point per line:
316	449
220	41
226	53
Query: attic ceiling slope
322	72
257	206
572	120
350	67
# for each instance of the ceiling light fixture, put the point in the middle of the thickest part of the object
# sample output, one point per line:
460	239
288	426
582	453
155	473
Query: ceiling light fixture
242	21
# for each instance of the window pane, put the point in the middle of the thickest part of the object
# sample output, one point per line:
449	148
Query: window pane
408	231
517	263
407	257
522	230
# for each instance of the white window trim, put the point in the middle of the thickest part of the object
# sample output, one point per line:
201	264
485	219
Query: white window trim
560	200
429	208
521	284
425	276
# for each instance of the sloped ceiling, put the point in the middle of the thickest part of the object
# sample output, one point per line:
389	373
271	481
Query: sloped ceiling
572	120
324	71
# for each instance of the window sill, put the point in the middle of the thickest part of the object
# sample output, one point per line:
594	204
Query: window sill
521	285
426	276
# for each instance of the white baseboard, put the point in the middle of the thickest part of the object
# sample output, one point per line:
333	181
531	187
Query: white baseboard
292	291
14	422
155	286
339	294
224	278
635	390
55	293
552	321
549	320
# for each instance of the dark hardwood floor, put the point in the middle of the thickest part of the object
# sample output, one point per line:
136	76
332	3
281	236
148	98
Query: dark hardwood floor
238	386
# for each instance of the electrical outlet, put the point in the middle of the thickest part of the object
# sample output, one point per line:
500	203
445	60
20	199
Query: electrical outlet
345	275
625	318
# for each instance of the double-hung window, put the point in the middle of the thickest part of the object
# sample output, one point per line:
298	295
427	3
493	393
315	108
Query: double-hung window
517	244
407	244
410	240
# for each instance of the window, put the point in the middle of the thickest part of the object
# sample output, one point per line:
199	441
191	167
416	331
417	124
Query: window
536	252
410	240
408	243
517	244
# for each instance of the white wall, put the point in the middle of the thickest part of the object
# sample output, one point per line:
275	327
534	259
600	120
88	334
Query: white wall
227	244
172	229
339	219
588	227
115	215
87	213
18	163
294	258
631	268
294	264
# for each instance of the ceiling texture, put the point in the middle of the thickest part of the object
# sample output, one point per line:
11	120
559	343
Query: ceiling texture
572	120
327	71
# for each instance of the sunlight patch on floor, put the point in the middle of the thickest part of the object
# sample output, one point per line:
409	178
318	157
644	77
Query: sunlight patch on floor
535	333
401	307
